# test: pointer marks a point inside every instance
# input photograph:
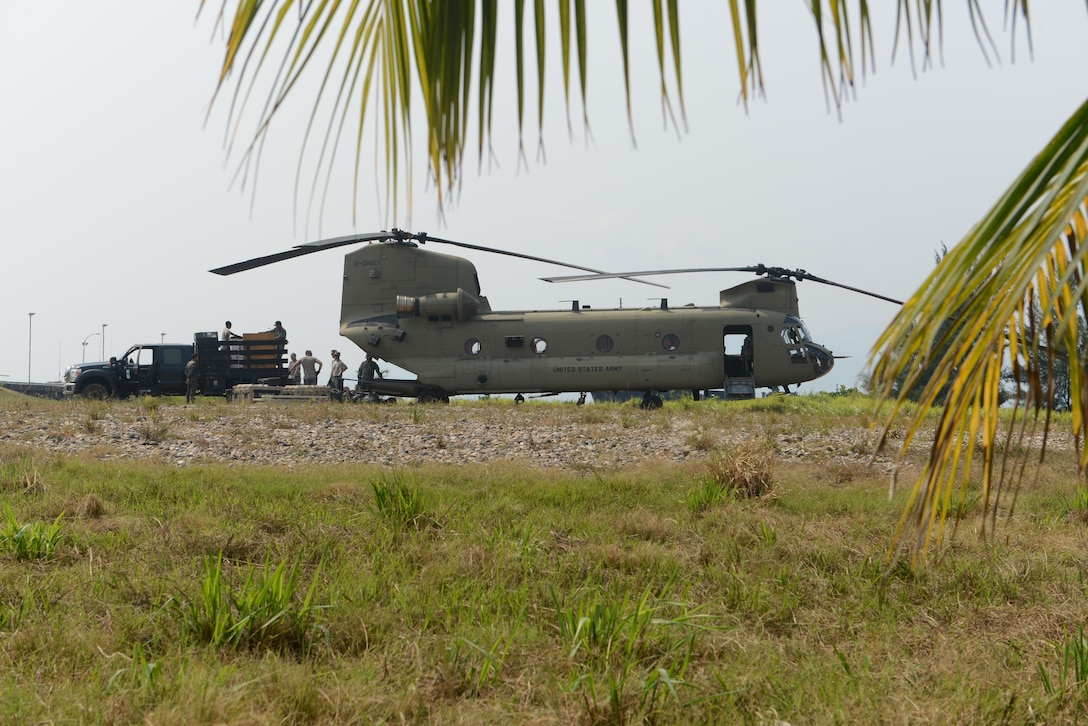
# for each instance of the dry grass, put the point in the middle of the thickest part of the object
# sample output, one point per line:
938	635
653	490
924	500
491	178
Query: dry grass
744	471
90	507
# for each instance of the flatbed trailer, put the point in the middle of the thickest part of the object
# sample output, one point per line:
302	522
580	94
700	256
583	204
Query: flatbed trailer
255	358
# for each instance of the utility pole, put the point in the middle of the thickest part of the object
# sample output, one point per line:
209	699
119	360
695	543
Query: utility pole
104	341
29	344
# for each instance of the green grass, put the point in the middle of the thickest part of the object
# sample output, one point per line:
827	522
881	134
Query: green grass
502	593
29	540
400	504
266	611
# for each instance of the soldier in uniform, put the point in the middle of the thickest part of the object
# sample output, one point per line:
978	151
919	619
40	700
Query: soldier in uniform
310	368
294	371
367	371
336	375
190	379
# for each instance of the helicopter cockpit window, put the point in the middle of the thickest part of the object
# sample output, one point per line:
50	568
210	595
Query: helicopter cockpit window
473	346
799	331
796	336
671	341
791	335
605	343
539	345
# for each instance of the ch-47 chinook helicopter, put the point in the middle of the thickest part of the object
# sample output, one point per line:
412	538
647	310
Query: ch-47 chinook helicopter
424	312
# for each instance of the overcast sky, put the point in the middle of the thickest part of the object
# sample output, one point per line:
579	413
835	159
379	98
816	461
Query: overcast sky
117	197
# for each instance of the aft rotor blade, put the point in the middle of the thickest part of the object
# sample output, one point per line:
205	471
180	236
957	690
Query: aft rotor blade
613	275
424	238
304	249
757	269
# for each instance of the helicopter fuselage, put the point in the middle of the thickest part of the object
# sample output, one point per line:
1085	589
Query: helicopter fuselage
423	311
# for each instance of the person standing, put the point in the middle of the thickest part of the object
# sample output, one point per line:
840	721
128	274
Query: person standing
190	379
227	333
310	368
279	331
232	348
294	371
367	371
336	372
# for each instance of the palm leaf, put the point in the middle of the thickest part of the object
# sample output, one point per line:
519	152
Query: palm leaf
386	51
1028	250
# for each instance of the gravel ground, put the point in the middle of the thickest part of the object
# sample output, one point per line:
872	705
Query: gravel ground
548	435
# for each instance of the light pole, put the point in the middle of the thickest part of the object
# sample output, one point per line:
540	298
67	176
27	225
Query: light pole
29	343
162	337
85	345
104	341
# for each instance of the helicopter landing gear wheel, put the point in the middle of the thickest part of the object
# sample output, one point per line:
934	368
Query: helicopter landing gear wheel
433	396
650	402
581	399
519	399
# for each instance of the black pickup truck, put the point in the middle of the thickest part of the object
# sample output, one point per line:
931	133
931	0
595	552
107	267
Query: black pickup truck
158	369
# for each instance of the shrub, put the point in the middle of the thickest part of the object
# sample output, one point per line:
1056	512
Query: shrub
1070	678
268	610
31	541
743	472
154	431
401	505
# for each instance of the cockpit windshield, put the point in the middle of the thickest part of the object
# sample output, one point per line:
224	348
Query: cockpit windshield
794	331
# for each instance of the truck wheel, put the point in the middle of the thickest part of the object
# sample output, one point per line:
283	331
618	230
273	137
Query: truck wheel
97	391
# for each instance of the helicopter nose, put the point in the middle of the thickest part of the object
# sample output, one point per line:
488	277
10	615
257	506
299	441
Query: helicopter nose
822	359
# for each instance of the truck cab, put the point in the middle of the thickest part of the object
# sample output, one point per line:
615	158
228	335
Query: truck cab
155	369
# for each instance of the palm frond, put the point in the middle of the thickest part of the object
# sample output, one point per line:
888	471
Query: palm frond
1028	250
385	52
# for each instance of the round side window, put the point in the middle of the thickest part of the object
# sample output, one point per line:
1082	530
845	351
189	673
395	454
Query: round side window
473	346
605	343
670	341
539	345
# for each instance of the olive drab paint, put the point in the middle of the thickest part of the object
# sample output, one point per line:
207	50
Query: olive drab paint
424	311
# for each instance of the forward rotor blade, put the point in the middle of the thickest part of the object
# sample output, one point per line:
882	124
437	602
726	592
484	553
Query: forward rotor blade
801	274
303	249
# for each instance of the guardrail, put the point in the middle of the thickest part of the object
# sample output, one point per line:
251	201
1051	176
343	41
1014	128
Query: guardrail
41	390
